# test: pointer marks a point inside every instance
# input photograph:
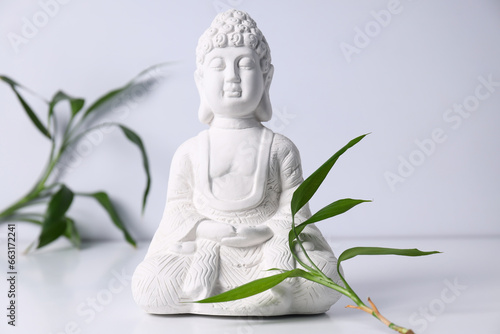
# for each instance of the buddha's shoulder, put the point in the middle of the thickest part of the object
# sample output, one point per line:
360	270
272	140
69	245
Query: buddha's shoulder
283	145
190	146
283	140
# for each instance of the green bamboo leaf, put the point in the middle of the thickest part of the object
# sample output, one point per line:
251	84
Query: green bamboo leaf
59	203
31	114
75	103
254	287
51	230
103	199
329	211
29	217
8	80
308	188
111	94
105	98
28	220
134	138
54	224
12	82
355	251
71	233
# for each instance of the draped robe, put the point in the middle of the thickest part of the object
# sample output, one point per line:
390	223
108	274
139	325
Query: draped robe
179	263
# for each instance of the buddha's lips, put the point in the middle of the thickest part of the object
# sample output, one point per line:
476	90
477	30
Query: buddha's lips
231	90
229	93
232	93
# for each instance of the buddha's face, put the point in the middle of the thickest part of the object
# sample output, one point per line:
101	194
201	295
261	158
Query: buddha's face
232	82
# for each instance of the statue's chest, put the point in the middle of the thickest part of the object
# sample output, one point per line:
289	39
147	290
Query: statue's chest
233	156
232	167
233	162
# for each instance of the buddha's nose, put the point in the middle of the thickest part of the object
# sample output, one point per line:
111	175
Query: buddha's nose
232	74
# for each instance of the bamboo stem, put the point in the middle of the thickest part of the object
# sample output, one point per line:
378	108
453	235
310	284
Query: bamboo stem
376	313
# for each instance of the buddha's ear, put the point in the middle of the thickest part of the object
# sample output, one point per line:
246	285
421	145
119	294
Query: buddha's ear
264	110
205	114
269	77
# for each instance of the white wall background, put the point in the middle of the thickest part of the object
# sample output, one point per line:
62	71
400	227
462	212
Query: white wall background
398	86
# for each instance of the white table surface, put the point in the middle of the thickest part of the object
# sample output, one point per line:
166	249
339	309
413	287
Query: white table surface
64	290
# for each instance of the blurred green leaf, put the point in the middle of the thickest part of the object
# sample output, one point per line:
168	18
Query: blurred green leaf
308	188
9	80
27	108
59	203
134	138
54	224
105	98
75	103
72	233
51	230
111	94
255	287
103	199
28	220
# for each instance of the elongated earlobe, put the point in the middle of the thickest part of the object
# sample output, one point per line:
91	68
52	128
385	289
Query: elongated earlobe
205	114
264	111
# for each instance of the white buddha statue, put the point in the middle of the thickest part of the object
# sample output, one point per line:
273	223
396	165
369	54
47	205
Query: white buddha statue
227	215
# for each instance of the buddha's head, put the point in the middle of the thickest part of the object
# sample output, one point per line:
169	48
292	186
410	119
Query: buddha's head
234	69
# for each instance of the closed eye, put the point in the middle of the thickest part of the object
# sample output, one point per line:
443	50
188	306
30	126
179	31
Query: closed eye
217	64
246	63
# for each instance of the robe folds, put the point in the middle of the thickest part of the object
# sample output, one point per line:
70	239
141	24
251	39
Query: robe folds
181	266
